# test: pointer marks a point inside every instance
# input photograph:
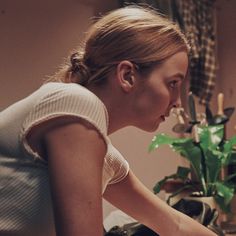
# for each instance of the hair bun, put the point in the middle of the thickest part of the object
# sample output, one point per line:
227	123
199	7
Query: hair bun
75	62
78	67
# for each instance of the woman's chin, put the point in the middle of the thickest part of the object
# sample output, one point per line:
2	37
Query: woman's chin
151	127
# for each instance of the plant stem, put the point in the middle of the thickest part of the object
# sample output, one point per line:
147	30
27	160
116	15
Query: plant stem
204	170
203	174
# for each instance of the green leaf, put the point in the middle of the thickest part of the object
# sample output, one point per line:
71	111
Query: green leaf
163	139
183	172
158	186
228	146
221	203
229	158
160	139
210	136
191	152
229	152
213	164
224	191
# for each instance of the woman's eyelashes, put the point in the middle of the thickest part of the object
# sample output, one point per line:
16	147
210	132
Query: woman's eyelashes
174	84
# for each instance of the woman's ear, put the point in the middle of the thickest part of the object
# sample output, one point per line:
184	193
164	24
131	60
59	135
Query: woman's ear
125	75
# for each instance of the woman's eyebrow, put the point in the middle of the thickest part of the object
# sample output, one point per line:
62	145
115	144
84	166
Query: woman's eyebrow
179	75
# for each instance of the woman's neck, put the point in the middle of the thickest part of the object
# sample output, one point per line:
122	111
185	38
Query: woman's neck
114	105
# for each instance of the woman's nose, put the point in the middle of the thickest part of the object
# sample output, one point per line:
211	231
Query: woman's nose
177	103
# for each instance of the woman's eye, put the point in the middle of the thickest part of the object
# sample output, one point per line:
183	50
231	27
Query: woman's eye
173	84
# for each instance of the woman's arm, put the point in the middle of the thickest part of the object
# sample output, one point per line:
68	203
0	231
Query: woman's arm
131	196
75	154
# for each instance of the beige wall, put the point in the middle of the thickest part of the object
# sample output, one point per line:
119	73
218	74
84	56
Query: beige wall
36	36
227	56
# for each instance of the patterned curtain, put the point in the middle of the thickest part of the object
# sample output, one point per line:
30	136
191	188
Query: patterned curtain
197	20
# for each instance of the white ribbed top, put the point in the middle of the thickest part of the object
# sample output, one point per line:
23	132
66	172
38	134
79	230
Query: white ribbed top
60	99
25	201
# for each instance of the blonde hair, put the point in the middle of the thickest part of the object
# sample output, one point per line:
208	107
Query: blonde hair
132	33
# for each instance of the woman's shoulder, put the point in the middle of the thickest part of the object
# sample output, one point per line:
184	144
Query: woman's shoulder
71	88
70	93
57	97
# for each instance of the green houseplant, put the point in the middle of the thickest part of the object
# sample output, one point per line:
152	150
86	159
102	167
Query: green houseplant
208	152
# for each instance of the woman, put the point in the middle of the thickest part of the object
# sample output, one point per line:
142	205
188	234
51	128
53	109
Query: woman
56	160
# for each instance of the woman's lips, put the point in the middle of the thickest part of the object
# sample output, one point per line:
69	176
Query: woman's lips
163	118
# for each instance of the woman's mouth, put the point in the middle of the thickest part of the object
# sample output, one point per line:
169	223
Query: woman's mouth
163	118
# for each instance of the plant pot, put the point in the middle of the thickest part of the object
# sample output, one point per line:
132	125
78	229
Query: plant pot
213	205
208	200
176	198
202	209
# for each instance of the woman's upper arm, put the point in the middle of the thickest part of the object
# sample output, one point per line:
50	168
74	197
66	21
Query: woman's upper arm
75	154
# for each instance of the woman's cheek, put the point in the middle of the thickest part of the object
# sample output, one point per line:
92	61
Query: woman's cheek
165	101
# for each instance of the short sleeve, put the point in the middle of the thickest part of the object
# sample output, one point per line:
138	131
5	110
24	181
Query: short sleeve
60	99
115	161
